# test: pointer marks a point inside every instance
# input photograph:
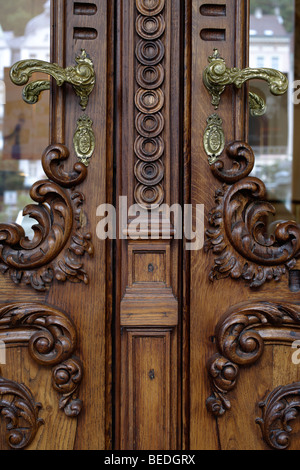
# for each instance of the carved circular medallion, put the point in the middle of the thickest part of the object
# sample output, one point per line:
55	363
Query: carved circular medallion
150	27
150	77
149	125
150	52
149	149
150	7
149	101
149	173
149	197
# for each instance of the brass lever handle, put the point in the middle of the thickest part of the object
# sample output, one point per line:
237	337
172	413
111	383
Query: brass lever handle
81	77
217	76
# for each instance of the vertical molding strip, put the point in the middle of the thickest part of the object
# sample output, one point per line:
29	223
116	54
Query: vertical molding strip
147	154
149	100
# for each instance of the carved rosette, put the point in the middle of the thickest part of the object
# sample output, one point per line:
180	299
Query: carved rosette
149	102
52	339
60	241
241	336
239	233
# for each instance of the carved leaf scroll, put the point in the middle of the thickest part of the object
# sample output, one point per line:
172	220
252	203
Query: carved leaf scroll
52	339
241	336
59	242
278	410
20	411
239	234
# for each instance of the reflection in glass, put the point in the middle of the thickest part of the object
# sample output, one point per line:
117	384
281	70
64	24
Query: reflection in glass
273	44
24	129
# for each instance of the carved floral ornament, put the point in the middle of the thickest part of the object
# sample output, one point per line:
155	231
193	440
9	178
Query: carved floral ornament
52	339
60	242
241	336
238	234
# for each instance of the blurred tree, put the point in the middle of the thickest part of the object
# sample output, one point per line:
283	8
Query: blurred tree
11	181
15	14
287	10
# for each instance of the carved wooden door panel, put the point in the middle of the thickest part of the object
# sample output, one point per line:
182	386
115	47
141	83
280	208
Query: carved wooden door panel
244	293
56	287
156	305
182	125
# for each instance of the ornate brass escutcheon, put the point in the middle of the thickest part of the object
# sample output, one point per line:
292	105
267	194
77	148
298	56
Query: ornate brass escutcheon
81	77
217	76
84	140
214	138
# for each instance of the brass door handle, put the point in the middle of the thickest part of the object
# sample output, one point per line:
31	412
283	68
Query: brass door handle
81	77
217	76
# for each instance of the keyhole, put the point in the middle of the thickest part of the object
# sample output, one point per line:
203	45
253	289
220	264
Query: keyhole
151	374
150	268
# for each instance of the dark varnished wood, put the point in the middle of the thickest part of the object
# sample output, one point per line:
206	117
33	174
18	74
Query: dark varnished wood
206	302
146	321
148	159
149	101
92	316
147	274
93	301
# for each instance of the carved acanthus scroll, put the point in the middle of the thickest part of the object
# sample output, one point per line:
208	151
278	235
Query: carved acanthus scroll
52	339
241	336
239	235
280	408
60	241
20	411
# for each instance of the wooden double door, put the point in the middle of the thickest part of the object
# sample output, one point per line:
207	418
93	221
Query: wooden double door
149	329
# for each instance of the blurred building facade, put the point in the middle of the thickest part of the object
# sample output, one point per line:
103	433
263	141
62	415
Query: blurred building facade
14	136
272	135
